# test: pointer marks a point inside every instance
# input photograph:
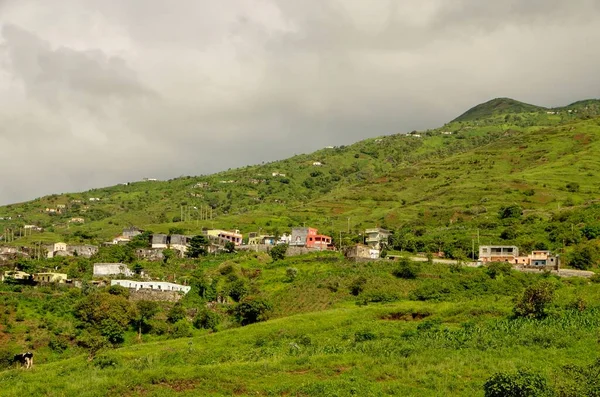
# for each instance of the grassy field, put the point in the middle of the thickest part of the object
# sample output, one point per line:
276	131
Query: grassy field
442	333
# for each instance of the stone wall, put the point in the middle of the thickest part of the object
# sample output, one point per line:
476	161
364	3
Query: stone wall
153	295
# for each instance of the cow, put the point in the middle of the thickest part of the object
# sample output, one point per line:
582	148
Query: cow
24	360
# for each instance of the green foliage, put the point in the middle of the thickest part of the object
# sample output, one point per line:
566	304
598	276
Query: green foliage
252	310
534	300
238	289
522	383
584	256
207	319
181	329
278	252
110	314
291	273
229	247
197	246
572	187
145	311
511	211
176	313
406	269
496	269
358	285
119	291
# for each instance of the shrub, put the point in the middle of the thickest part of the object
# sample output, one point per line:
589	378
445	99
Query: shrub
6	358
583	256
358	285
511	211
181	329
278	252
237	290
572	187
495	269
207	319
535	300
107	361
406	269
291	273
176	314
520	384
252	310
364	335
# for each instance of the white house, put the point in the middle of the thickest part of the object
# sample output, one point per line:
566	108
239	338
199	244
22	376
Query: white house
152	285
111	269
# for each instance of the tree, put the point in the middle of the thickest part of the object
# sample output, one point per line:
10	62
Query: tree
511	211
406	269
230	247
291	273
278	252
197	246
535	300
252	310
109	314
358	285
238	289
168	254
145	310
176	313
207	319
583	256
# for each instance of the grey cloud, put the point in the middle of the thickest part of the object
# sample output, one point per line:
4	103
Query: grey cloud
103	92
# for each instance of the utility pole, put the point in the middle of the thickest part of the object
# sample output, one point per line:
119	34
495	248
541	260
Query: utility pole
348	225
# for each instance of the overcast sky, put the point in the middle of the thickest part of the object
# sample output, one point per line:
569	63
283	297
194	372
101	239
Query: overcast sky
98	92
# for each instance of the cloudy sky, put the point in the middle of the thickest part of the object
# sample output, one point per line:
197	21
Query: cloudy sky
97	92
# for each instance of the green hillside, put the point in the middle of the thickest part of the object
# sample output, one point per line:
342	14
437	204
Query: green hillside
449	181
498	106
318	324
443	332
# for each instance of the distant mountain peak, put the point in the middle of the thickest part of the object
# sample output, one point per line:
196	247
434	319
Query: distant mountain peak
498	106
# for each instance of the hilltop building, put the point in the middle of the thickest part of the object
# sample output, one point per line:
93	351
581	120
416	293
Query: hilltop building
498	253
53	278
152	285
377	238
111	269
308	237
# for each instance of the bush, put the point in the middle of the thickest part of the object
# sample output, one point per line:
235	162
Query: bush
177	313
237	290
291	273
406	269
364	335
511	211
278	252
181	329
252	310
207	319
358	285
572	187
6	358
583	256
535	300
520	384
495	269
107	361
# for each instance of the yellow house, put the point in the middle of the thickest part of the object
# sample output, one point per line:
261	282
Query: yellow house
14	274
50	277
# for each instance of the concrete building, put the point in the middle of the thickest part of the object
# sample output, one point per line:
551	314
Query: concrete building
15	275
131	232
262	239
159	241
152	285
540	258
377	237
111	269
55	249
224	235
361	252
60	278
308	237
498	253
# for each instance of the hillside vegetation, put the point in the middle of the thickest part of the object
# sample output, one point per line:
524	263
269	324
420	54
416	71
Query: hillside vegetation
440	188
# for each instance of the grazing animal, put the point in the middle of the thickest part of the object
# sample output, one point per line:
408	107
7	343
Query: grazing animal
25	360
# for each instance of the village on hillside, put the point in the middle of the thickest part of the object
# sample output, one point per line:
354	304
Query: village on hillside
300	240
